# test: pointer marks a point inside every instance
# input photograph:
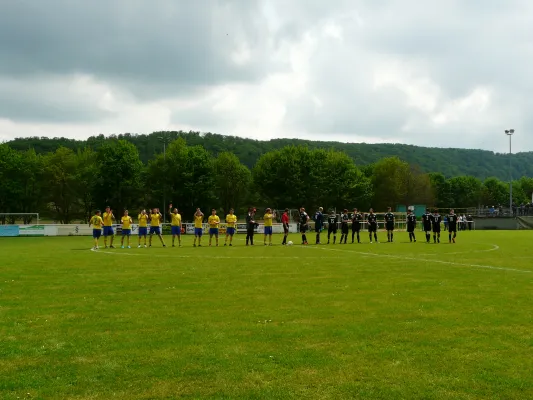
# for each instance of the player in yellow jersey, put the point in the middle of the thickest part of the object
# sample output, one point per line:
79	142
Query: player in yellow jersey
214	222
175	226
96	221
143	226
231	221
155	220
268	226
198	228
108	226
126	228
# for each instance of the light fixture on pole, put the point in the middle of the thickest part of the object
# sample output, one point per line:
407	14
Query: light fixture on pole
165	139
510	134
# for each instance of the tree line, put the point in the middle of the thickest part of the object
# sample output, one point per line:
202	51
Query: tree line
450	162
68	185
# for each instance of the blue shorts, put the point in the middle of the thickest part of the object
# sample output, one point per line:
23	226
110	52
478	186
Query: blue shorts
108	231
175	230
268	230
97	233
143	231
230	231
198	231
126	232
213	231
154	230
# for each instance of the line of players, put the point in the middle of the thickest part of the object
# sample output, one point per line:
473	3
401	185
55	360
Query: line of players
104	224
431	223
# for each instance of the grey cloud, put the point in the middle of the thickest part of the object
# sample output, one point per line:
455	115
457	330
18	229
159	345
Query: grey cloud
170	43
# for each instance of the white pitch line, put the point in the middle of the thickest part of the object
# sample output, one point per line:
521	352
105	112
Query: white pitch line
426	260
123	253
493	248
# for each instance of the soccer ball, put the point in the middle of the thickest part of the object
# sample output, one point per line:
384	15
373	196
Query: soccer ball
289	243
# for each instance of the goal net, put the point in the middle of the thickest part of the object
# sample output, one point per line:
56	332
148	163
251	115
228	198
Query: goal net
18	218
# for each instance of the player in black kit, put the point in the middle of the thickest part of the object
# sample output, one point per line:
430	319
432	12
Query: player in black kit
332	226
344	226
319	222
372	220
303	224
411	225
427	220
357	218
437	219
389	225
452	226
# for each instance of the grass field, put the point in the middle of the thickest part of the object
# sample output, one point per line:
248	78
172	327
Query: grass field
380	321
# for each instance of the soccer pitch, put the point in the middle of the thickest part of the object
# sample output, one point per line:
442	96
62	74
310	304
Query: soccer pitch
370	321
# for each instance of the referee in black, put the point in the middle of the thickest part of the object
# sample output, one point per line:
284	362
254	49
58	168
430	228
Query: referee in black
452	226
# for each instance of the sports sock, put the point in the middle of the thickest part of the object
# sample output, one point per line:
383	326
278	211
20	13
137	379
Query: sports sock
376	236
391	236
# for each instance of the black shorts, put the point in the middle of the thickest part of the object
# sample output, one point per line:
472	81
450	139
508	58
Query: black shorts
344	229
332	229
356	227
452	228
285	228
390	226
410	228
436	229
427	228
318	228
303	228
373	227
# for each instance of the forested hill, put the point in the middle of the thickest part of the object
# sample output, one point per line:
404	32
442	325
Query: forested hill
450	162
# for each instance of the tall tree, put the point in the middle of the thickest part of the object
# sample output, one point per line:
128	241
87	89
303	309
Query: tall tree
86	178
494	192
466	191
186	174
60	175
233	180
118	176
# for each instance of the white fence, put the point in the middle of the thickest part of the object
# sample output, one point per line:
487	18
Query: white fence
188	228
85	230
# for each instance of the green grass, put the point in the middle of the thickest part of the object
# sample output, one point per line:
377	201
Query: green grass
380	321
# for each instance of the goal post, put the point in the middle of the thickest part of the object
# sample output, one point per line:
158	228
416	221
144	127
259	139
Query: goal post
13	218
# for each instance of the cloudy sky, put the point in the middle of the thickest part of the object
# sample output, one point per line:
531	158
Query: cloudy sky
435	73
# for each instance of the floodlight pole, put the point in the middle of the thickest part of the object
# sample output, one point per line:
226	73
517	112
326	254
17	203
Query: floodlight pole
510	134
165	139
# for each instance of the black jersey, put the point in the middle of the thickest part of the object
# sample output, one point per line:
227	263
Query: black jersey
303	218
345	219
427	219
357	218
436	221
389	217
411	220
332	222
452	219
372	218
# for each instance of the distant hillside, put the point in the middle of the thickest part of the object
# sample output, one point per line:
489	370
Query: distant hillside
450	162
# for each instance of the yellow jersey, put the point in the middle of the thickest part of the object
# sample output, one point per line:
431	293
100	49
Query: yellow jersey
126	222
213	221
268	219
231	220
108	219
97	222
198	219
155	219
143	220
176	219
